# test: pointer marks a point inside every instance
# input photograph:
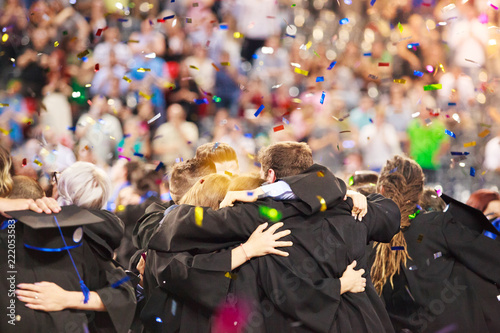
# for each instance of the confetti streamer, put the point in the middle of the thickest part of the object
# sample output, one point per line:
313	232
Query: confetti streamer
279	128
301	71
259	110
198	216
322	202
472	172
333	63
433	87
320	79
120	282
322	99
397	248
469	144
450	133
272	214
158	115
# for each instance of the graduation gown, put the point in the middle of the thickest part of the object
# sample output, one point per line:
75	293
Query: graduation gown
451	281
93	260
300	292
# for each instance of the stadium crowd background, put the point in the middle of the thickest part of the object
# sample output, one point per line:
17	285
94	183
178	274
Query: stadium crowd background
130	85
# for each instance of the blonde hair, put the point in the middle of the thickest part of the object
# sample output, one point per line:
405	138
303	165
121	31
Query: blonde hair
401	180
208	191
85	185
245	182
6	182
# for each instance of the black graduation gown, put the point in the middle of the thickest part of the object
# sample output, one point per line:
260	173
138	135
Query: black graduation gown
450	283
303	287
96	269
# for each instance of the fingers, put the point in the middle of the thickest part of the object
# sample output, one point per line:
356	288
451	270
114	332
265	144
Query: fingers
35	306
361	271
281	234
29	286
52	204
283	244
24	293
279	253
275	227
352	265
43	206
261	227
34	207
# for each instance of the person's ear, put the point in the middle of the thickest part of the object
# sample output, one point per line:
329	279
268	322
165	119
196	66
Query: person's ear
381	190
271	176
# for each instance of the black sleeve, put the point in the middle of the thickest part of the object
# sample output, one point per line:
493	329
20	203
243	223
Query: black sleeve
213	230
147	224
475	251
383	219
200	278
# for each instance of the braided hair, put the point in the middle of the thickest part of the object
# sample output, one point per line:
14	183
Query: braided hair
401	180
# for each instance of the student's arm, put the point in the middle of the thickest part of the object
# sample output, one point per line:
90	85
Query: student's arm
475	251
383	218
43	205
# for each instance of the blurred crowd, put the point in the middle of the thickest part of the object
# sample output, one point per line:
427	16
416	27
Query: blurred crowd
136	86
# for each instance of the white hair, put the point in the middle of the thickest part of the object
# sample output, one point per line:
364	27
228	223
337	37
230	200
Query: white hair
85	185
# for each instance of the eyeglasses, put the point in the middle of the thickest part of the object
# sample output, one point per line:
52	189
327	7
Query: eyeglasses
54	177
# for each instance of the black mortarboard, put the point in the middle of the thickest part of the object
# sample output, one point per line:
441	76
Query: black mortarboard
41	231
469	216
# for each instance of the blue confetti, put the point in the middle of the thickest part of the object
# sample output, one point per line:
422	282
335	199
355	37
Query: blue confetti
72	128
332	65
322	99
174	307
287	35
417	73
121	281
160	165
249	194
256	114
344	21
412	45
450	133
459	153
223	26
236	127
122	20
320	79
255	56
215	147
393	170
169	17
472	172
452	104
368	54
371	120
138	154
158	319
372	2
248	135
285	120
201	101
397	248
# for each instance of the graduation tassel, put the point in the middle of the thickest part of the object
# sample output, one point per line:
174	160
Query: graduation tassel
83	287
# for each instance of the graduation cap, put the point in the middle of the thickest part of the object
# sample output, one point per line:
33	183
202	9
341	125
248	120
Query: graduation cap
44	232
469	216
54	232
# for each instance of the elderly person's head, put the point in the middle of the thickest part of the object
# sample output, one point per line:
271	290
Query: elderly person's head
85	185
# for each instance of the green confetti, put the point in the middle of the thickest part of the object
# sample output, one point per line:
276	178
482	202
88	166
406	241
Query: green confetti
351	181
272	214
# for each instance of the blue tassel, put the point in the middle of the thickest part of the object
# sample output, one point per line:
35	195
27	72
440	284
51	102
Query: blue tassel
86	292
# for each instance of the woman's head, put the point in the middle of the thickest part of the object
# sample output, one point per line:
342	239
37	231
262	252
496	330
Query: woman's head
5	172
85	185
481	198
245	182
401	180
208	191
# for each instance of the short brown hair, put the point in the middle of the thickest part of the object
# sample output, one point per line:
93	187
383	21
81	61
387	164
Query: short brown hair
25	188
209	191
185	174
217	152
431	202
481	198
245	182
286	158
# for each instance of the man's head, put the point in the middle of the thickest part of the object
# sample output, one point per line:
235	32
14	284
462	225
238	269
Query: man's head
185	174
222	154
284	159
25	188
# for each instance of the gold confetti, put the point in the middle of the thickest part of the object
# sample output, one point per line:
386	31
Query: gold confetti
37	162
320	174
56	44
231	276
120	208
133	41
148	97
4	131
402	81
193	67
308	45
322	202
470	144
301	71
142	70
127	79
3	105
198	216
484	133
225	63
228	173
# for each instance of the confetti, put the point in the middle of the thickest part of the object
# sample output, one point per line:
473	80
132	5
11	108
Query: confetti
193	67
472	172
412	45
142	70
420	238
158	115
215	66
2	105
412	216
272	214
293	5
393	170
223	26
344	21
417	73
322	99
383	64
225	63
459	153
400	27
412	268
139	155
189	20
231	276
146	96
320	79
259	110
402	81
96	68
450	133
437	255
168	17
397	248
228	173
127	79
372	2
25	161
493	6
121	281
368	54
351	181
37	162
198	216
279	128
99	32
347	131
56	44
322	202
433	87
83	54
469	144
332	64
200	101
484	133
125	157
301	71
320	174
